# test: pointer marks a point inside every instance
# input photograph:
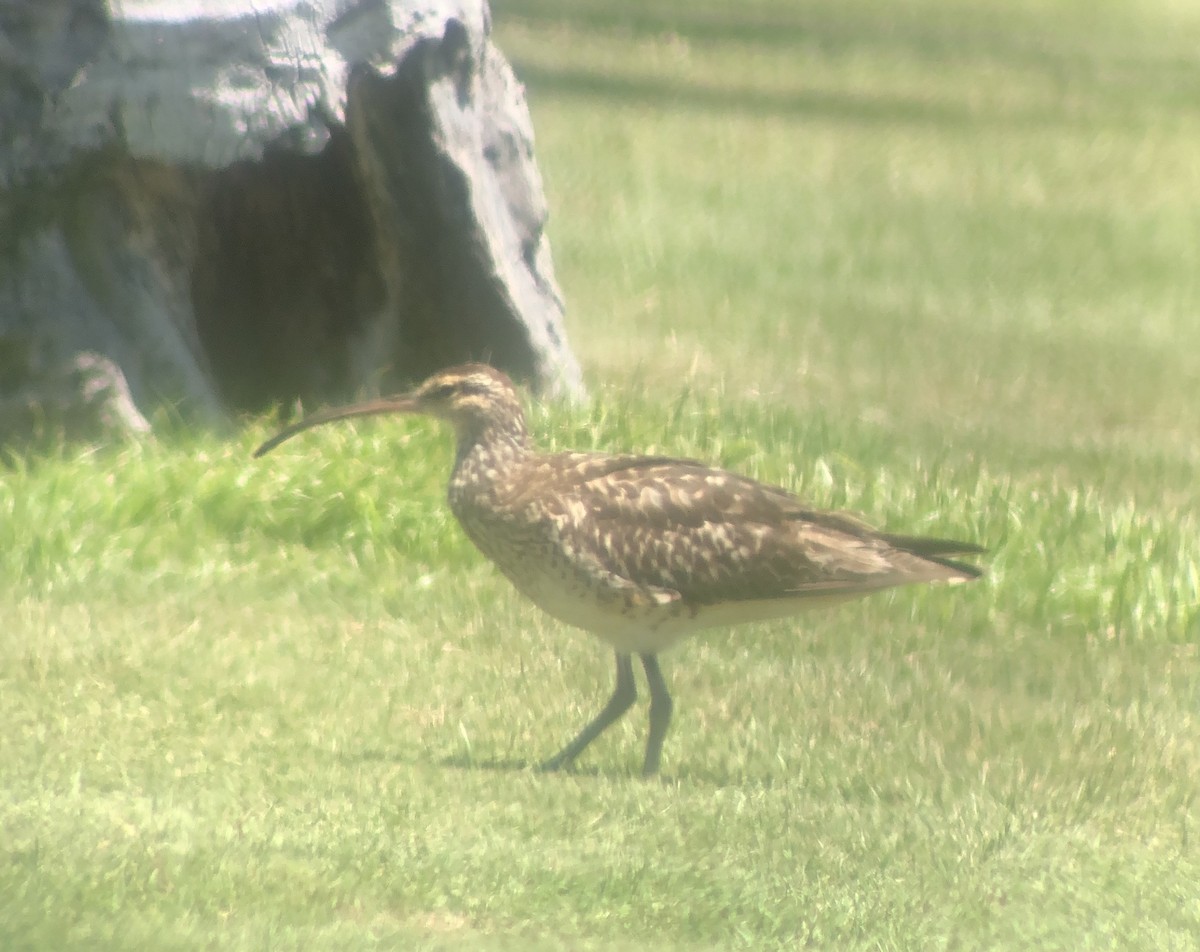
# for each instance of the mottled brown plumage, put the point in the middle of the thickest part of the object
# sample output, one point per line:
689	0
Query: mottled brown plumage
643	550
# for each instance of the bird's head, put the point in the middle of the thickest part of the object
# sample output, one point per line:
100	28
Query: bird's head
475	398
471	396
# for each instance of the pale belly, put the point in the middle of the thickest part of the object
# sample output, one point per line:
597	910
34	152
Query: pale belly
646	626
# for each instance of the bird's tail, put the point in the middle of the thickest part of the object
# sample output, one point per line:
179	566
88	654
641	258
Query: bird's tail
936	550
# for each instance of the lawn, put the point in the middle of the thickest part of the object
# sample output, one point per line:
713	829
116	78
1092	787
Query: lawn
935	262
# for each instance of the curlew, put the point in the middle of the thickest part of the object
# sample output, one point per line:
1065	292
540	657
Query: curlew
643	550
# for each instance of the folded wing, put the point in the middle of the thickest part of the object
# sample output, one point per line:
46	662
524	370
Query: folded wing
707	536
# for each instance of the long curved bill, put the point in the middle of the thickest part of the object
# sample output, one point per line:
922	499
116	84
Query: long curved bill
401	404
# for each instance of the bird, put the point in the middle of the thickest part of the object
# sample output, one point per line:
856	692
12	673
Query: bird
641	550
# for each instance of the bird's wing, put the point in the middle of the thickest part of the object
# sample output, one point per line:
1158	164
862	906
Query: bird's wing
677	526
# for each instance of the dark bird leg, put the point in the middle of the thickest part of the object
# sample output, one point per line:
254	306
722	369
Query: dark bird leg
661	706
623	696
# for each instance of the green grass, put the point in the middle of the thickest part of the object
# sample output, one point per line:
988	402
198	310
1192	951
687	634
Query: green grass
933	262
964	219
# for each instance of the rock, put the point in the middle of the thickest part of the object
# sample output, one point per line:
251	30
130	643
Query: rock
84	398
240	209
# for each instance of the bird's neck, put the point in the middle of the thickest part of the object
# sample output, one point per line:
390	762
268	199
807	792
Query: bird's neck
488	453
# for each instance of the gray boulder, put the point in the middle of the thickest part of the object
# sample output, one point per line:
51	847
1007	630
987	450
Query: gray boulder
308	201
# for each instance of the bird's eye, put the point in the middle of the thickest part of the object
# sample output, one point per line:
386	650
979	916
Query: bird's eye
442	391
